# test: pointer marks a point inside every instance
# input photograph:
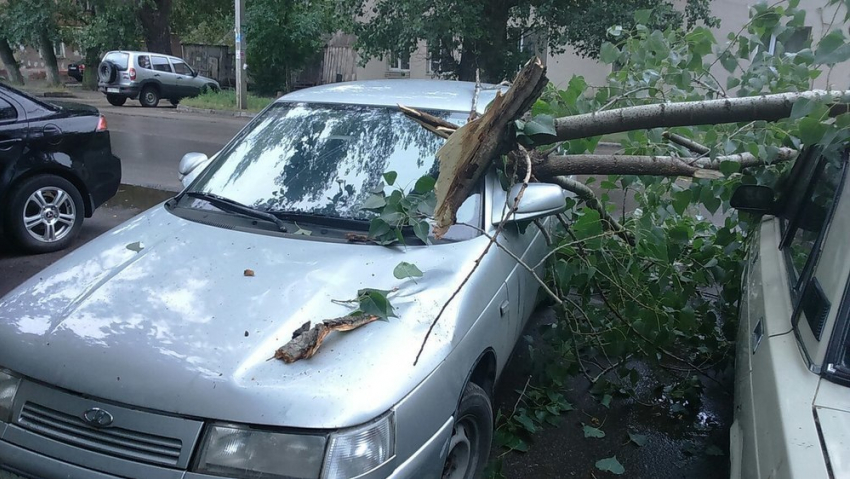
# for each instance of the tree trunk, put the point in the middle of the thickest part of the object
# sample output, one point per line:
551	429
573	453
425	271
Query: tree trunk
49	57
155	16
492	64
7	56
468	61
92	61
691	113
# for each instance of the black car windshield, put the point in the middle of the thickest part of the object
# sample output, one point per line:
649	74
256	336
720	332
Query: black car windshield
325	159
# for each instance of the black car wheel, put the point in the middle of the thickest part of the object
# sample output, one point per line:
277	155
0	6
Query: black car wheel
45	213
116	100
472	434
149	96
107	72
175	102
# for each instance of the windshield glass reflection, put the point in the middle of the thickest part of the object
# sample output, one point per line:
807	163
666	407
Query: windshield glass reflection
323	159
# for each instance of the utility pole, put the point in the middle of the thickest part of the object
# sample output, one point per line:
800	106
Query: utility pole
240	65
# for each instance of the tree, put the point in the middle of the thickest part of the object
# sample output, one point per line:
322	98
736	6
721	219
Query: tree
104	25
496	37
155	19
203	21
7	56
282	37
36	23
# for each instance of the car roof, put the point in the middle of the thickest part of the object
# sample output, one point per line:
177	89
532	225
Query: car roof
443	95
136	52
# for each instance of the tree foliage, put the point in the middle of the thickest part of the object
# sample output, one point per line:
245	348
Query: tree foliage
498	36
282	37
105	26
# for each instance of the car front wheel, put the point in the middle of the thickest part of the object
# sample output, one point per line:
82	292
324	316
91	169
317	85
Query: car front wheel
472	434
45	213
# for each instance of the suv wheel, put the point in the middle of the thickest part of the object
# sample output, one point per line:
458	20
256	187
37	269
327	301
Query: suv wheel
149	96
45	213
175	101
116	100
107	72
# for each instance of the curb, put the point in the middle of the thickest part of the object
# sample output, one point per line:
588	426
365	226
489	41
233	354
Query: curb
243	114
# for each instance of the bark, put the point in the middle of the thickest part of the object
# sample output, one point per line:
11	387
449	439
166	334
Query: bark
708	112
566	165
305	341
7	57
468	61
470	150
155	16
49	57
590	199
687	143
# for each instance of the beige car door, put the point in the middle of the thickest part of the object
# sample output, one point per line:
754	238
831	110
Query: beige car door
795	273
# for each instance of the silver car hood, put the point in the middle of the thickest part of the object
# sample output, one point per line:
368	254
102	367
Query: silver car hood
157	313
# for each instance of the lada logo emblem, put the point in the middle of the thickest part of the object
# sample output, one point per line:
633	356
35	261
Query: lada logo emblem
98	417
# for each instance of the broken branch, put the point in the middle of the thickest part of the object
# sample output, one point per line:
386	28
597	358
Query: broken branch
305	343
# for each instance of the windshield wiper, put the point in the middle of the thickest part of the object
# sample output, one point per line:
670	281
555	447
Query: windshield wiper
233	206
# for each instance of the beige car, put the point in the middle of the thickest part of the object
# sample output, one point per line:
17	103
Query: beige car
792	387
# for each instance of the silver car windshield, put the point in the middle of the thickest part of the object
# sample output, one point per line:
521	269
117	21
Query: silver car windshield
324	159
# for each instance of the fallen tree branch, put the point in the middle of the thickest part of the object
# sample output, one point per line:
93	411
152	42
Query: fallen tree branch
590	199
562	165
305	342
691	113
686	142
435	125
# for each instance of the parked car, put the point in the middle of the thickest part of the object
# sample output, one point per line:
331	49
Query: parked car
56	167
147	353
76	70
149	77
792	402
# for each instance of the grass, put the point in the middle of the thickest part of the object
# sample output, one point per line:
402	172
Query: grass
225	100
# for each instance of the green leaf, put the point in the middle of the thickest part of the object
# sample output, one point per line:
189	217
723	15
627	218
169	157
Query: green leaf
424	184
642	16
615	31
390	177
833	48
540	128
374	202
611	465
811	130
590	431
729	167
374	302
638	439
681	200
801	108
526	423
606	400
421	229
378	228
405	270
609	53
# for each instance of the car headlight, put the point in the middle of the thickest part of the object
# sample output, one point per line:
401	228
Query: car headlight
356	451
239	451
8	388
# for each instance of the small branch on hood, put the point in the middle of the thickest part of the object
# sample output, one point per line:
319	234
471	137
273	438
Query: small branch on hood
499	230
305	342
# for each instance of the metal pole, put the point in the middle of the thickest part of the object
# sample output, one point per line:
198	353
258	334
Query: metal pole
240	64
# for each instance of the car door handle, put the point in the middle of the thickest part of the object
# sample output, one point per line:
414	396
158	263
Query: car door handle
503	308
156	74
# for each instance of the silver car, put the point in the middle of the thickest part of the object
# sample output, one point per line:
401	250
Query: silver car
146	353
149	77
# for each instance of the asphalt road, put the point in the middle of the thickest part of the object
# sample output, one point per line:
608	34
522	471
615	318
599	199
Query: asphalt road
150	143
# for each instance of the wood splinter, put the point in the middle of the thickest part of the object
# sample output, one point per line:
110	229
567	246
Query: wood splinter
305	342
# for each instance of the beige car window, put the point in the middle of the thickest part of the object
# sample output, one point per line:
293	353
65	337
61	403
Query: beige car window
814	213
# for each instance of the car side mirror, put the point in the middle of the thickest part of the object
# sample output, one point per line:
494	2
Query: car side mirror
190	166
538	200
194	73
754	199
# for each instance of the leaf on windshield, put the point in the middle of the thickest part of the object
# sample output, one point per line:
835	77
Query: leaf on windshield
390	177
610	464
374	302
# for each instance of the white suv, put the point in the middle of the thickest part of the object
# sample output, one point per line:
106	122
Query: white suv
792	402
149	77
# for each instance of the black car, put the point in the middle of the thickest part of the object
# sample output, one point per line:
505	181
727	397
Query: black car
76	70
56	166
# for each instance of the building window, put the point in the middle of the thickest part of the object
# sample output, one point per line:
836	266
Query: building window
400	61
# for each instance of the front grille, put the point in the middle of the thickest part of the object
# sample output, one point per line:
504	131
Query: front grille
113	441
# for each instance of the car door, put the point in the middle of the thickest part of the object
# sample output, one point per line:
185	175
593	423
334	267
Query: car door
789	289
183	78
13	135
165	75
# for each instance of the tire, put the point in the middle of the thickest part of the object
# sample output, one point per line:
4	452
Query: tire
209	88
469	445
45	214
149	97
107	72
116	100
174	102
